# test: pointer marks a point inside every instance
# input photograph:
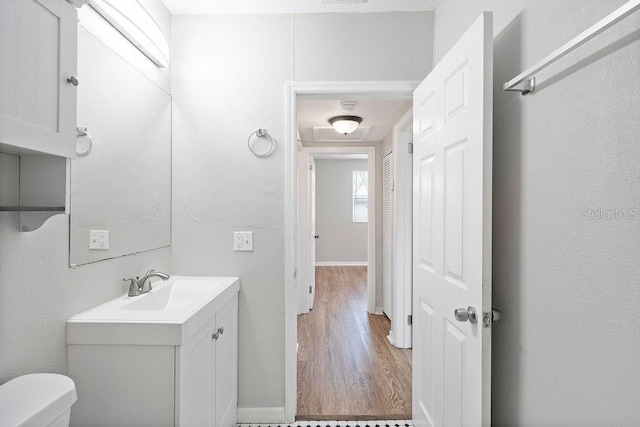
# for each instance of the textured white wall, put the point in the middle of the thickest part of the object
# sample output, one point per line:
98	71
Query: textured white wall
567	353
38	290
228	79
366	46
341	239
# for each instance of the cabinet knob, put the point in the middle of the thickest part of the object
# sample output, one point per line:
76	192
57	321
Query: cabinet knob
73	80
217	334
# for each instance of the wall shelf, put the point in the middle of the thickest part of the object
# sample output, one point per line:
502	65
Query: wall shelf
32	208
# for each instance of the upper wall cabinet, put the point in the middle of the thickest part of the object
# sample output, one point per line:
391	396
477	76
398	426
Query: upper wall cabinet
37	77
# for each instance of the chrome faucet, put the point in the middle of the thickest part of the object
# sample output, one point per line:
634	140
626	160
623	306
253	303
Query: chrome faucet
139	286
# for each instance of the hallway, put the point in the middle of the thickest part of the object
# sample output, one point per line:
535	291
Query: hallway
347	369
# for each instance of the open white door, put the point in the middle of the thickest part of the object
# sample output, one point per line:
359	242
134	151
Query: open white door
312	227
452	171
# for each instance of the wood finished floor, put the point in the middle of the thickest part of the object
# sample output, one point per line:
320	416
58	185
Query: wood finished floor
347	369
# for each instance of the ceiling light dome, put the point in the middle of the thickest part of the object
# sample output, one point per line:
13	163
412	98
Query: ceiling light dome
345	124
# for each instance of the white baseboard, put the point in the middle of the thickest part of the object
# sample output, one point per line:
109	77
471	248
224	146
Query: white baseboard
261	415
379	310
341	263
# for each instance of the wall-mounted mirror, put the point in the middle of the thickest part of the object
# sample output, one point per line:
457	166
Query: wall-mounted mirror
123	185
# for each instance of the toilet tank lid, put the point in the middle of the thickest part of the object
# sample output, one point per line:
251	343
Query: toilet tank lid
35	399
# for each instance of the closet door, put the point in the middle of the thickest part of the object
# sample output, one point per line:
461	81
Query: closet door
387	233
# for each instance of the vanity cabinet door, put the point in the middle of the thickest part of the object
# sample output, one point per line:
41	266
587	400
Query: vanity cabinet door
38	45
196	391
207	383
226	359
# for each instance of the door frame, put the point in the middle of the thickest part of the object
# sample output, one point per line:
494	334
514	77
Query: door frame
304	237
321	90
402	250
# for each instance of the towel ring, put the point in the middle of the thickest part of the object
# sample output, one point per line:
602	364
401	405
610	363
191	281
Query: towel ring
261	133
82	131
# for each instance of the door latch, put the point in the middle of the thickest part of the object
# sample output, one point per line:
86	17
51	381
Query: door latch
489	317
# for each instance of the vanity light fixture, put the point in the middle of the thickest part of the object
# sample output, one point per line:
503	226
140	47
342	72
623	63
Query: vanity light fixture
133	21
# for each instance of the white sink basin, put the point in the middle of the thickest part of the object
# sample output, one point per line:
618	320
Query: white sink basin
167	315
177	294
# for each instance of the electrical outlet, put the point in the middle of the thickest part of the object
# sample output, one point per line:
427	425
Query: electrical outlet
243	241
99	240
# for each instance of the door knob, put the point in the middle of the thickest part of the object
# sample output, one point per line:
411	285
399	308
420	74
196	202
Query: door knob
464	314
316	236
73	80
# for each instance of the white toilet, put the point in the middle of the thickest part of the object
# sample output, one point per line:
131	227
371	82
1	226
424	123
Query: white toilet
37	400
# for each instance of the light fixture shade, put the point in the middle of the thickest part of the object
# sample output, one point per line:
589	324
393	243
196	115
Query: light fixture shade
345	124
135	23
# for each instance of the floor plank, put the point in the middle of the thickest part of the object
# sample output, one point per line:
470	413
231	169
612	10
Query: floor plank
347	369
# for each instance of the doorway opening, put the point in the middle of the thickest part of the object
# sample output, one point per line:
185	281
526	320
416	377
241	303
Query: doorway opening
346	236
358	350
339	333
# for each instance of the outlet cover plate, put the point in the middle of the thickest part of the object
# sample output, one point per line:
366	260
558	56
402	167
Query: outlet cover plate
242	241
99	240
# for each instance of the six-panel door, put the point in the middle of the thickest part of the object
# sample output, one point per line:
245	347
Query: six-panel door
452	234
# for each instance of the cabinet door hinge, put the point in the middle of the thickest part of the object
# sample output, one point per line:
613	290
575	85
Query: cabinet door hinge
410	147
410	319
310	290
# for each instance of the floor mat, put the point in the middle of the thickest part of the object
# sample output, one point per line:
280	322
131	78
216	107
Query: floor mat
354	423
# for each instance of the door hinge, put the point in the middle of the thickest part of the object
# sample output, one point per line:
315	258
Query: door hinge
410	319
488	317
310	290
410	147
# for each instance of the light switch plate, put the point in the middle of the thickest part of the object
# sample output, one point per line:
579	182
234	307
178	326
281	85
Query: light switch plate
99	239
243	241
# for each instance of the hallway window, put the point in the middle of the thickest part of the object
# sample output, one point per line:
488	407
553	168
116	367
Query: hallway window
360	196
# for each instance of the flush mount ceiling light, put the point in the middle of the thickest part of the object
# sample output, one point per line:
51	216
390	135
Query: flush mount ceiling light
347	123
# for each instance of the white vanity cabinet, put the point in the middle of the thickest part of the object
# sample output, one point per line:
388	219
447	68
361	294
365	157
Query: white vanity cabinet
141	362
38	45
207	372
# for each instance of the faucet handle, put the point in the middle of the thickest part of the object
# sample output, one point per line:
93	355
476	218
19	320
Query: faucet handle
149	272
134	288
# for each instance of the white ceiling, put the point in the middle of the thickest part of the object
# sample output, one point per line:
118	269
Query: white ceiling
378	114
208	7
